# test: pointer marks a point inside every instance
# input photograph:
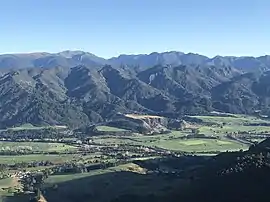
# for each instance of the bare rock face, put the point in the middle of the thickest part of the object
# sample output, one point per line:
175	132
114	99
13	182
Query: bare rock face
154	122
145	124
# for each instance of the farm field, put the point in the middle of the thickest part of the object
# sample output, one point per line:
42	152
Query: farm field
32	127
234	128
136	139
235	119
8	186
6	182
109	129
35	146
12	159
220	128
243	125
176	144
201	145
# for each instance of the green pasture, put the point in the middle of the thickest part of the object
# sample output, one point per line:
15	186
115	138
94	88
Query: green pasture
35	146
29	126
235	120
174	143
36	157
109	129
200	145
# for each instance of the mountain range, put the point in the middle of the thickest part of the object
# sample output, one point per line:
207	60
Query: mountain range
77	88
138	62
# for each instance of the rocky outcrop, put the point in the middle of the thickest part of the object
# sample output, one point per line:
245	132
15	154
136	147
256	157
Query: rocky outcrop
145	124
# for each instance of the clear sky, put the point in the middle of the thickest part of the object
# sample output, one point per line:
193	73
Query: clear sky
111	27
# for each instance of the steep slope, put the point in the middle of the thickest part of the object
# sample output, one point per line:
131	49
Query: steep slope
26	99
83	95
184	81
238	176
236	95
89	87
243	94
132	89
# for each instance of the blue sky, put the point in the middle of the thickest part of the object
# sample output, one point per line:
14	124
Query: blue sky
111	27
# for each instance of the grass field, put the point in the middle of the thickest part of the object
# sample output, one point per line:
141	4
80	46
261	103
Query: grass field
242	124
136	139
35	146
39	157
201	145
111	140
29	126
174	141
4	183
176	144
235	128
236	120
109	129
8	186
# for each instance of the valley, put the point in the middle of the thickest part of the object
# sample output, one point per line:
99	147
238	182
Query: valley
74	126
134	101
105	153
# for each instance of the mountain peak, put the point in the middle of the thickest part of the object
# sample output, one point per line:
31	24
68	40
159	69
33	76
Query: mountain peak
136	62
70	53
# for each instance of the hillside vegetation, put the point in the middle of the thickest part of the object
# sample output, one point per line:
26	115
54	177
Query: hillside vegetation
83	95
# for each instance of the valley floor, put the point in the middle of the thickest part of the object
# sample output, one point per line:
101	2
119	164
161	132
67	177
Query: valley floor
119	165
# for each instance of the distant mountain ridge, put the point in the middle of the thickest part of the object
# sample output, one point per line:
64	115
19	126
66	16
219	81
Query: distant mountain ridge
138	62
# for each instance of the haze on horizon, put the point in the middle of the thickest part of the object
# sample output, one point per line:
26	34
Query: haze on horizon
108	29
